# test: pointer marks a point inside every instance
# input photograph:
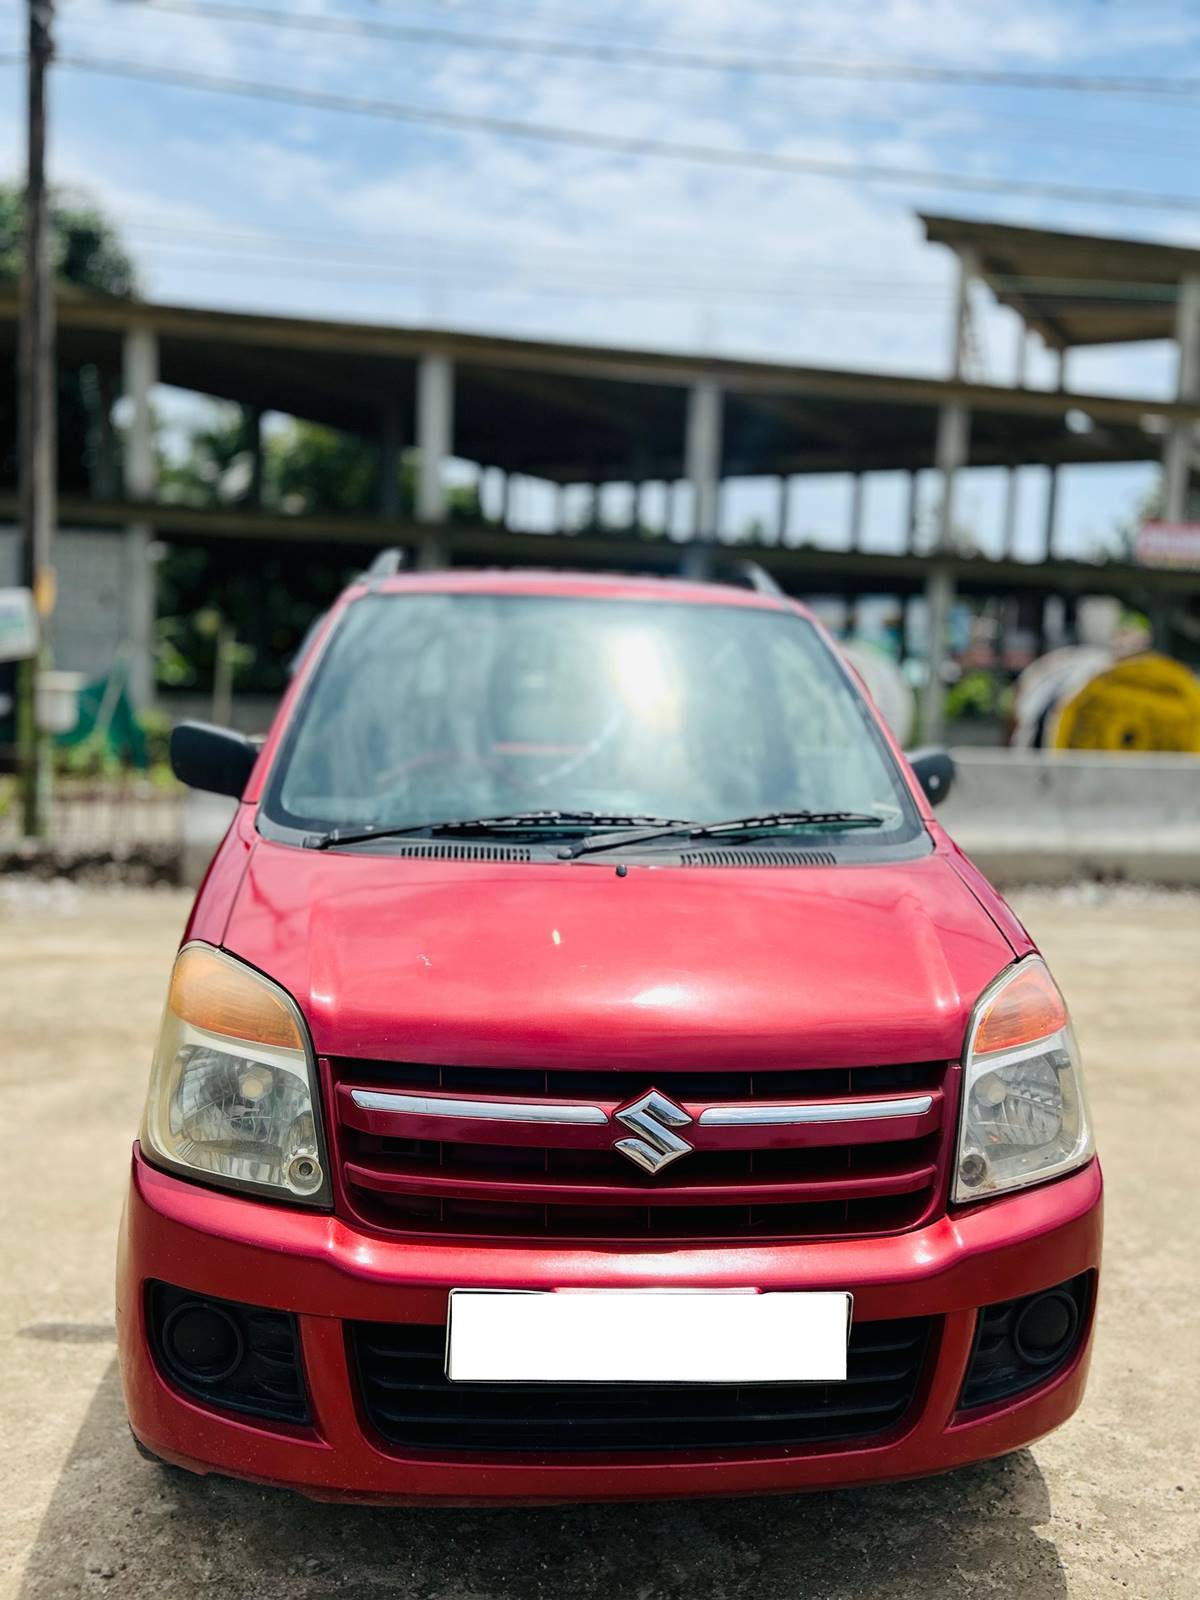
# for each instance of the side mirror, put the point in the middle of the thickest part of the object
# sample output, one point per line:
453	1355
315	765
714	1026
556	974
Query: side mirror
934	771
216	759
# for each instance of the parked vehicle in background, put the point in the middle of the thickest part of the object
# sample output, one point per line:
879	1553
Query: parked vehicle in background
590	1072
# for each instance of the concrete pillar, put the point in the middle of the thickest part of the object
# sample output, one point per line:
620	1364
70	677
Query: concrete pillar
939	597
435	443
910	512
697	562
1051	513
1012	487
784	510
677	509
252	426
954	420
634	521
141	375
560	508
435	434
703	456
856	511
1181	441
140	361
391	444
641	516
1051	518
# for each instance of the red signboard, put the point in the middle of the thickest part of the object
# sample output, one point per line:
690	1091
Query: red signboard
1169	544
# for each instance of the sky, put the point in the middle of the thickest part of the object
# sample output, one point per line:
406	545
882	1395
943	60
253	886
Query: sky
230	200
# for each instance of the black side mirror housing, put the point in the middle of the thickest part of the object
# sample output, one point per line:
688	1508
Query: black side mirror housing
215	759
934	769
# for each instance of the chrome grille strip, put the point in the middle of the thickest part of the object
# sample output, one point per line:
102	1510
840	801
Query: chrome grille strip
730	1116
422	1105
767	1116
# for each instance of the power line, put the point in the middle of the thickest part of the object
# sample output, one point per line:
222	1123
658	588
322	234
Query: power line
689	60
620	144
487	259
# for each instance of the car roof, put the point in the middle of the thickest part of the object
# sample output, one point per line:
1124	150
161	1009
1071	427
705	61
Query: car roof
579	585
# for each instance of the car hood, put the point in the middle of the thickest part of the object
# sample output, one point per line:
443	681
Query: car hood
451	962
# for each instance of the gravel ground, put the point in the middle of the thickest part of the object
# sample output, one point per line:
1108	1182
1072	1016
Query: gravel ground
1107	1506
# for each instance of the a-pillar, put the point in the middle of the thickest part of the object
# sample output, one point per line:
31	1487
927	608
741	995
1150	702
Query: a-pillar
435	445
1181	441
140	360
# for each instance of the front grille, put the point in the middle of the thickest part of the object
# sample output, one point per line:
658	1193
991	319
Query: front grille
409	1401
497	1178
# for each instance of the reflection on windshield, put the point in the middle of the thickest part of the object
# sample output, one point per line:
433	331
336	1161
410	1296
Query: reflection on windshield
428	707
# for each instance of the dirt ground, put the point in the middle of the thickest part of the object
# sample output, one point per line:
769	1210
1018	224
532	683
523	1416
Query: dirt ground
1107	1506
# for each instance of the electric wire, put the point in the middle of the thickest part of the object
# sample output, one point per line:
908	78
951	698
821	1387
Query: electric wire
629	145
1153	85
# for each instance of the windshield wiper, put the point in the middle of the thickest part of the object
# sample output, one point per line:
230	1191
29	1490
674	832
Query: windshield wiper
762	823
508	822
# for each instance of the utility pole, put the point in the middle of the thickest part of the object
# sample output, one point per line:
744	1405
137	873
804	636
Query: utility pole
38	462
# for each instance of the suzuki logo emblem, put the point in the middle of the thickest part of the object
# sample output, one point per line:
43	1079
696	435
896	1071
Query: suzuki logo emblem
652	1118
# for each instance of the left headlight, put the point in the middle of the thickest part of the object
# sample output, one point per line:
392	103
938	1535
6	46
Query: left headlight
1024	1116
233	1095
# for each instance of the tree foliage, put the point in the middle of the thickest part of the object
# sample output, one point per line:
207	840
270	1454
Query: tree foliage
85	248
88	253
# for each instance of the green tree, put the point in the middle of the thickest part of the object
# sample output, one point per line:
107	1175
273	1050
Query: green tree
87	249
268	593
88	253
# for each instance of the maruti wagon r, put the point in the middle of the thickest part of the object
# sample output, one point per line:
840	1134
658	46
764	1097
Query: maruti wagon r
589	1072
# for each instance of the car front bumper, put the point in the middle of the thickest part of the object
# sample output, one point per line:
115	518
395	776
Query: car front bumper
327	1272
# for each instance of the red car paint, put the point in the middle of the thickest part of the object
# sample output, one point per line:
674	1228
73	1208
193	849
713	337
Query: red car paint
504	965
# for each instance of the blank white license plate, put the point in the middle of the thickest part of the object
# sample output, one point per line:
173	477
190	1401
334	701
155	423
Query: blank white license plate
646	1336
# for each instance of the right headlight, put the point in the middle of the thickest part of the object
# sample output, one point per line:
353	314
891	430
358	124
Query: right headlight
1024	1116
233	1092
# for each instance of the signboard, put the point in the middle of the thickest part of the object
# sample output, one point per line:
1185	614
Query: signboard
1169	544
18	625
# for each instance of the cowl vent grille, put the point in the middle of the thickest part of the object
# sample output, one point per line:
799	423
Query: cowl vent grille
436	850
759	858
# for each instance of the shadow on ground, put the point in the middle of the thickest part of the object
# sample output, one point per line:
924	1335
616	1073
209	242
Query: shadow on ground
118	1525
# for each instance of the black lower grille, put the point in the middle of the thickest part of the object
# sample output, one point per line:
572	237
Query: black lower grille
1021	1343
223	1353
409	1401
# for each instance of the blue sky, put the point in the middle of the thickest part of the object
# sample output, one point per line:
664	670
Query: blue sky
229	201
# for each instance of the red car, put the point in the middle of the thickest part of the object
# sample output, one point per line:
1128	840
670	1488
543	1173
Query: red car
591	1073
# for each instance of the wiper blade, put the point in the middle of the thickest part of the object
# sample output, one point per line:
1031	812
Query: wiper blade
792	819
764	822
508	822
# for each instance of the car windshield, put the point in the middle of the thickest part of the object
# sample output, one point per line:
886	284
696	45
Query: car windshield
435	707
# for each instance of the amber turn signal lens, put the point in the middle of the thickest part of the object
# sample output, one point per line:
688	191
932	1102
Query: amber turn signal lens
212	992
1027	1008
